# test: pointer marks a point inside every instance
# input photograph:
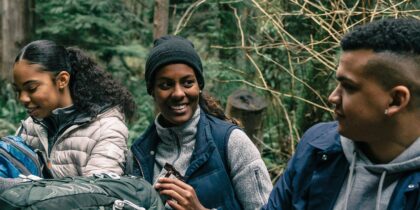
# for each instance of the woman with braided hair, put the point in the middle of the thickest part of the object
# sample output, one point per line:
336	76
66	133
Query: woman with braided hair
76	110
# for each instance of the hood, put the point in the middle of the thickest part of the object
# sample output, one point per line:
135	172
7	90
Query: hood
406	161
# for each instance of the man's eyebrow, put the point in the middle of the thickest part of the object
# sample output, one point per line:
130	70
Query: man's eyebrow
342	78
29	82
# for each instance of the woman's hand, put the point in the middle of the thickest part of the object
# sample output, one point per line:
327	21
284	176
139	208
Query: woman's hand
183	195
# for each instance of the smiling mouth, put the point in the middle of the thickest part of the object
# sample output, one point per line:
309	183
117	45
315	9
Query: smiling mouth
181	108
31	110
178	107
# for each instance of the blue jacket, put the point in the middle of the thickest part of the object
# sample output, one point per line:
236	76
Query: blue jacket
318	169
207	172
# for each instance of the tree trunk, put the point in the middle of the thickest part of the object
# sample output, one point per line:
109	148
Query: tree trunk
17	28
228	34
248	108
160	18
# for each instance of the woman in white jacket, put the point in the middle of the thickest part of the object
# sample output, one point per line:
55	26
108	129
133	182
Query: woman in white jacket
76	110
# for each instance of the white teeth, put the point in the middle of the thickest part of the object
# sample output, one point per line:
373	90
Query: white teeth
178	107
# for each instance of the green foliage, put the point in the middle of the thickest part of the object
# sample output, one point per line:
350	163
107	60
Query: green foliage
99	26
10	111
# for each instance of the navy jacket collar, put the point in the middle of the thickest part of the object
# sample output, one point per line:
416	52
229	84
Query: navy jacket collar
328	140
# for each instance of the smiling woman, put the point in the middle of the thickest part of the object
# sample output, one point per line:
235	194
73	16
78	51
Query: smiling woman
221	167
76	110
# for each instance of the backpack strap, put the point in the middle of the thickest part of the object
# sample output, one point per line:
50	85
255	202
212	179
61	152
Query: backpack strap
46	164
42	157
129	163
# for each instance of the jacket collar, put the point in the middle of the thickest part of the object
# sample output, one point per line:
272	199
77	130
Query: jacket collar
181	134
327	140
147	144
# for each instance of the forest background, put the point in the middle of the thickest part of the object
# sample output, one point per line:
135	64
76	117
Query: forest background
285	51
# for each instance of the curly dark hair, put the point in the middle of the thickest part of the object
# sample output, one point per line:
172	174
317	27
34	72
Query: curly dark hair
212	107
395	35
91	87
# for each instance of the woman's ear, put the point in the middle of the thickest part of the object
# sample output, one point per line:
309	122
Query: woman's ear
62	79
400	98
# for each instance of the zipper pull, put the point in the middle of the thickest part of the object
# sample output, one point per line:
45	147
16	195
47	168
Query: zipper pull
119	205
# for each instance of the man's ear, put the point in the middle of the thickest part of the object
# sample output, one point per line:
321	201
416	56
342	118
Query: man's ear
400	98
62	80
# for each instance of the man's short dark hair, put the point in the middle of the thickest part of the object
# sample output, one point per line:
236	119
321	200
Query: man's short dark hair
397	44
395	35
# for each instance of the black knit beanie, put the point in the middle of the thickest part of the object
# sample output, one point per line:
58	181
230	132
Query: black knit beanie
171	50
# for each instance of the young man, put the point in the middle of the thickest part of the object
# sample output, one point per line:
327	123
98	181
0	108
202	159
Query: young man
370	157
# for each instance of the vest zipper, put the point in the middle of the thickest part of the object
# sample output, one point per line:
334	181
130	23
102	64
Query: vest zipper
178	145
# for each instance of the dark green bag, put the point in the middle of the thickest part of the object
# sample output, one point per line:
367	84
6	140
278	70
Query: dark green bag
100	192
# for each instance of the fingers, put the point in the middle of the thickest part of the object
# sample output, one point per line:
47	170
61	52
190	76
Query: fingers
183	195
172	191
177	182
175	205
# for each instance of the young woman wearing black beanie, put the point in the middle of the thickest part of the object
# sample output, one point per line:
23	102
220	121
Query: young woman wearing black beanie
221	167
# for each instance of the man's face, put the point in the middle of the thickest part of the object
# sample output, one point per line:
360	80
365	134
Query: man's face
360	101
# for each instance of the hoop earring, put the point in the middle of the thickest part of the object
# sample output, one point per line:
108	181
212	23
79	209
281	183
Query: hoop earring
386	111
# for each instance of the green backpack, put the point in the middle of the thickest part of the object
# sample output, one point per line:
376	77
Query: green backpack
100	192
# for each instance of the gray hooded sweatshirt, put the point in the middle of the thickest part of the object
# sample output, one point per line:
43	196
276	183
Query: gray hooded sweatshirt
369	185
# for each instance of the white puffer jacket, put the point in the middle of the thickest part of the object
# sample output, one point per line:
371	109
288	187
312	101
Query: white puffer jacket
82	150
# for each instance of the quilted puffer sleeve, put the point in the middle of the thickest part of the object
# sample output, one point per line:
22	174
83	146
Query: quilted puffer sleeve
108	154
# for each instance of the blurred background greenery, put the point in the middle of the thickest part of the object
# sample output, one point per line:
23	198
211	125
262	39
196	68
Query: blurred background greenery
284	50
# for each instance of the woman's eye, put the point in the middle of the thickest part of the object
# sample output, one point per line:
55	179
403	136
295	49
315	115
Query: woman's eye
164	85
32	89
189	83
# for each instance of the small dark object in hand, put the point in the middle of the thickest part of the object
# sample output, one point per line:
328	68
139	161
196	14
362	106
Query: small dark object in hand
170	170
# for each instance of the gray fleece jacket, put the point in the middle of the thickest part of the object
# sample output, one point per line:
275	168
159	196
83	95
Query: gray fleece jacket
247	169
369	185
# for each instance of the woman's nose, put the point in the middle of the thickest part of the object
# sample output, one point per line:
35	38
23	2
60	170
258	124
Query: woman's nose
24	98
178	91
